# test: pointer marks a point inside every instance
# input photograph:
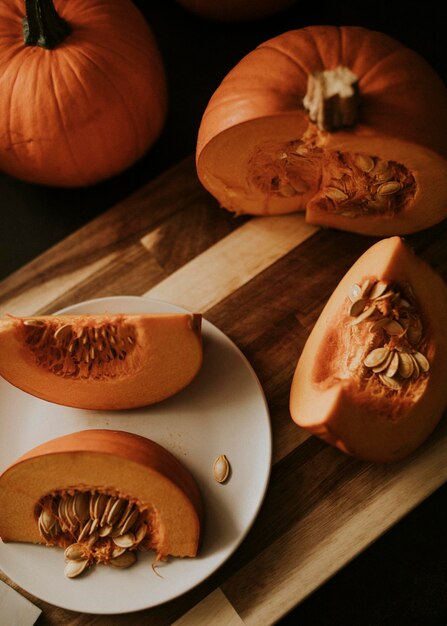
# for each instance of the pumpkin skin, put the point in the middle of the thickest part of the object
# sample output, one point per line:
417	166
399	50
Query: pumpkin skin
122	462
235	10
368	420
136	360
87	109
256	115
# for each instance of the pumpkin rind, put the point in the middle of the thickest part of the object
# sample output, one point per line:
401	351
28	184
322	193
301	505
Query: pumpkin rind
373	423
258	107
87	109
141	359
131	465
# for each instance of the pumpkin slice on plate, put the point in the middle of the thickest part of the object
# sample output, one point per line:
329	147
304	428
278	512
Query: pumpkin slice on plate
371	377
343	122
102	495
101	361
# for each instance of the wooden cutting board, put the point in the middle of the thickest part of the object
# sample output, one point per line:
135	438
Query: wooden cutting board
263	281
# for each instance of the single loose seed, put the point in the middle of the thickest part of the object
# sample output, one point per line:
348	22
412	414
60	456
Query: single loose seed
221	468
117	552
104	531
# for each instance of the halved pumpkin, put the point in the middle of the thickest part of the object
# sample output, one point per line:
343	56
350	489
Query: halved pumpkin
344	123
371	377
114	488
101	361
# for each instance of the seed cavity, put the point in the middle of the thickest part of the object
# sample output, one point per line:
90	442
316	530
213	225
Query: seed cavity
348	184
96	350
90	525
396	332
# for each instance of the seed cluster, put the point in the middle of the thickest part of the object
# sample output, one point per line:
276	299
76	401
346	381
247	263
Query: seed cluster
396	326
350	184
88	351
359	184
94	527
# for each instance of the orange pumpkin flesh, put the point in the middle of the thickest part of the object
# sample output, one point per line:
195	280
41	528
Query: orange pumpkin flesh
113	462
336	397
259	153
101	361
88	108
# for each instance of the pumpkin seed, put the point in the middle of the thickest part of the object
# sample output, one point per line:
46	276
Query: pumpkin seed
335	194
74	568
393	328
393	366
384	365
417	369
355	292
125	560
221	468
422	361
124	541
388	188
75	552
364	162
363	316
406	367
376	357
391	383
357	307
378	289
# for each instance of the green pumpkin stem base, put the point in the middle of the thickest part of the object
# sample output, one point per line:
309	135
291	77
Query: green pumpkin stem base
42	26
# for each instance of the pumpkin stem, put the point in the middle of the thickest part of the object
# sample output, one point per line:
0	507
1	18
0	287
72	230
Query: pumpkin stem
42	26
332	98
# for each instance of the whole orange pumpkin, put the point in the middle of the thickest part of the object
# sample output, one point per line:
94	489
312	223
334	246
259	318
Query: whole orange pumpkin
82	89
263	149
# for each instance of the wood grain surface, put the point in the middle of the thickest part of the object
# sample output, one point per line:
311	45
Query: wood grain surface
263	281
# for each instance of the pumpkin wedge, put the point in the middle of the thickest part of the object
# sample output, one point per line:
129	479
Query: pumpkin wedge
371	377
101	361
344	123
101	495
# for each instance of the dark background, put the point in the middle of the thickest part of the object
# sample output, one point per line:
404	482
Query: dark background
402	578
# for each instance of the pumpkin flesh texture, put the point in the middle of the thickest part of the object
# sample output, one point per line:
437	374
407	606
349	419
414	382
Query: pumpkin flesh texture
112	461
101	361
360	415
87	109
255	119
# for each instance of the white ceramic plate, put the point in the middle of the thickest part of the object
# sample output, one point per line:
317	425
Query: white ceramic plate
223	411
